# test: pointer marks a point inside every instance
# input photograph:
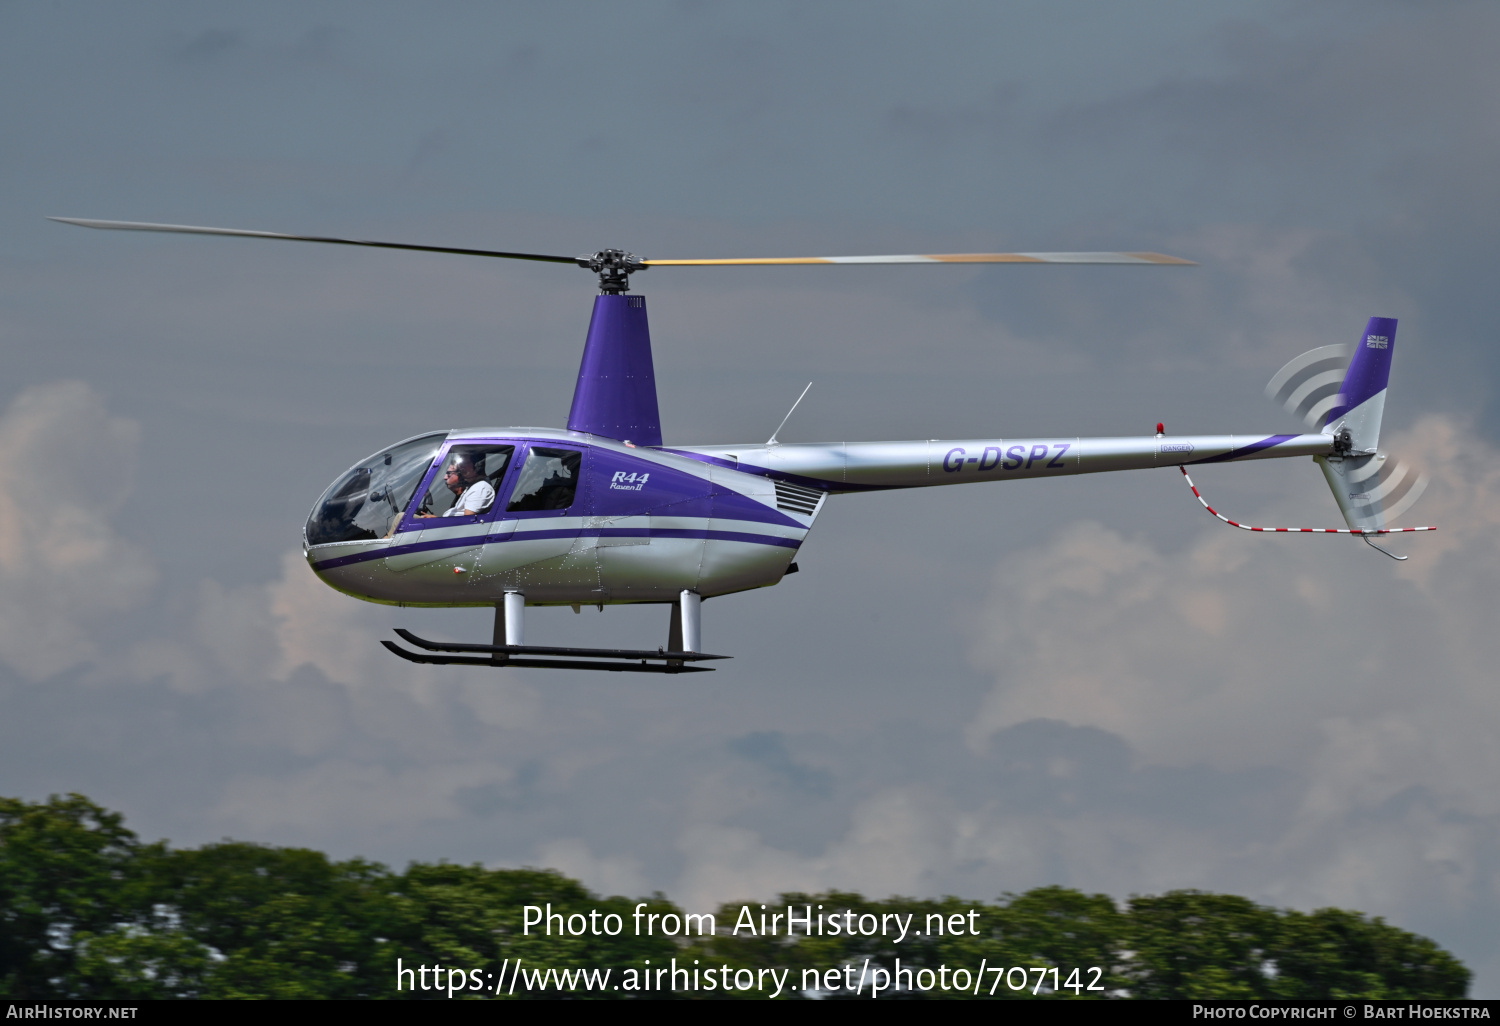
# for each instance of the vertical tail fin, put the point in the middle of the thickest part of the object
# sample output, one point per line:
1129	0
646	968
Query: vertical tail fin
1361	398
1371	490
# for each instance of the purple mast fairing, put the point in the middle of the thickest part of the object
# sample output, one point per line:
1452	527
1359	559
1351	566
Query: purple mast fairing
616	391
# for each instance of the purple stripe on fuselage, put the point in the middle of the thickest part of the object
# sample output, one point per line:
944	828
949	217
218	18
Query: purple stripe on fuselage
655	532
624	485
476	540
1248	450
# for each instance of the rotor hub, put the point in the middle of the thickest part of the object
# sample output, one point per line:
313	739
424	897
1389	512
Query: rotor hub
614	268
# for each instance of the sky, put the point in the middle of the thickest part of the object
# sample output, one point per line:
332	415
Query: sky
969	691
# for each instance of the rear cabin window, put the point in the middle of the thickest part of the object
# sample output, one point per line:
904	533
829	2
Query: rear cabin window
548	480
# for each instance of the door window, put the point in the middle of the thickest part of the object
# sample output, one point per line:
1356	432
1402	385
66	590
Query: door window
467	481
548	480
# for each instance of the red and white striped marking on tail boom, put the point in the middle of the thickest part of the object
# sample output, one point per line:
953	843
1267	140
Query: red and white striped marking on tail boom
1295	530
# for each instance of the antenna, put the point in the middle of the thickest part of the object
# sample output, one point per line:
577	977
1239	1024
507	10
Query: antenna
772	440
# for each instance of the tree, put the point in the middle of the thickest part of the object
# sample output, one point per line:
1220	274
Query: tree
281	922
1051	927
1188	944
1331	953
88	911
471	918
68	869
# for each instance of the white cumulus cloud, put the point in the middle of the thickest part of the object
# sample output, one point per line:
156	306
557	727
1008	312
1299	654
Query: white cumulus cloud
66	465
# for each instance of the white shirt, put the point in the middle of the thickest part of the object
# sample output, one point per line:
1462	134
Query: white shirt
478	497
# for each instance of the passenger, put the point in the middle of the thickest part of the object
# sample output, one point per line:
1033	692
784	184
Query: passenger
475	494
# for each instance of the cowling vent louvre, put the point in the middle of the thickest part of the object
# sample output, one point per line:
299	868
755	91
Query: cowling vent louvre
796	499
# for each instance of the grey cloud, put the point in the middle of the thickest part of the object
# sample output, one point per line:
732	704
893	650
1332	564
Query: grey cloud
965	691
207	44
1312	115
1368	684
768	750
994	113
492	799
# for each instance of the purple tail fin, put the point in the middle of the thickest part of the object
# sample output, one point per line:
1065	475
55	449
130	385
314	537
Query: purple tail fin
1365	383
616	391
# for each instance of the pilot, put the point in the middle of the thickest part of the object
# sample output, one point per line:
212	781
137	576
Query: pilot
475	494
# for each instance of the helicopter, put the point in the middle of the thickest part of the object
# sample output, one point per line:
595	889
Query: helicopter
602	512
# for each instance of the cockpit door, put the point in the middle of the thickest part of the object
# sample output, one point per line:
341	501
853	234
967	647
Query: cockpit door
535	544
453	510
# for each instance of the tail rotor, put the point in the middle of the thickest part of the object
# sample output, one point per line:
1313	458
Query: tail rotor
1308	386
1340	390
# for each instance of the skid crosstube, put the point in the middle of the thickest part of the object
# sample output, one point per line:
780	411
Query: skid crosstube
538	656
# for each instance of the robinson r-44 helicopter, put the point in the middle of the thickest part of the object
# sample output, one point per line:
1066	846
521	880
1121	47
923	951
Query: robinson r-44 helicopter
602	512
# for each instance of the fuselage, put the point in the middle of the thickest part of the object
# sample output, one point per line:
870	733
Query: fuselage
574	518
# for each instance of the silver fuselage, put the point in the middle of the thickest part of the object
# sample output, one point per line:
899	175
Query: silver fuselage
646	524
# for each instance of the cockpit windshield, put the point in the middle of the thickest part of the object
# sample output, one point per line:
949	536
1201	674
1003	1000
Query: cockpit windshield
367	502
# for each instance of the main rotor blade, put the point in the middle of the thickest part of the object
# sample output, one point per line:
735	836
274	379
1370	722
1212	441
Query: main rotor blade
187	229
945	258
906	258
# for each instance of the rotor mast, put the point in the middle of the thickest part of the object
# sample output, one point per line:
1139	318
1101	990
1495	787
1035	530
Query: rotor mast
614	268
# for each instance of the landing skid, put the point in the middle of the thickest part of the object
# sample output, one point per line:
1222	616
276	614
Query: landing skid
535	656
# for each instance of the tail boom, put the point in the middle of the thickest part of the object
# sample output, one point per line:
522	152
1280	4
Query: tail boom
873	466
